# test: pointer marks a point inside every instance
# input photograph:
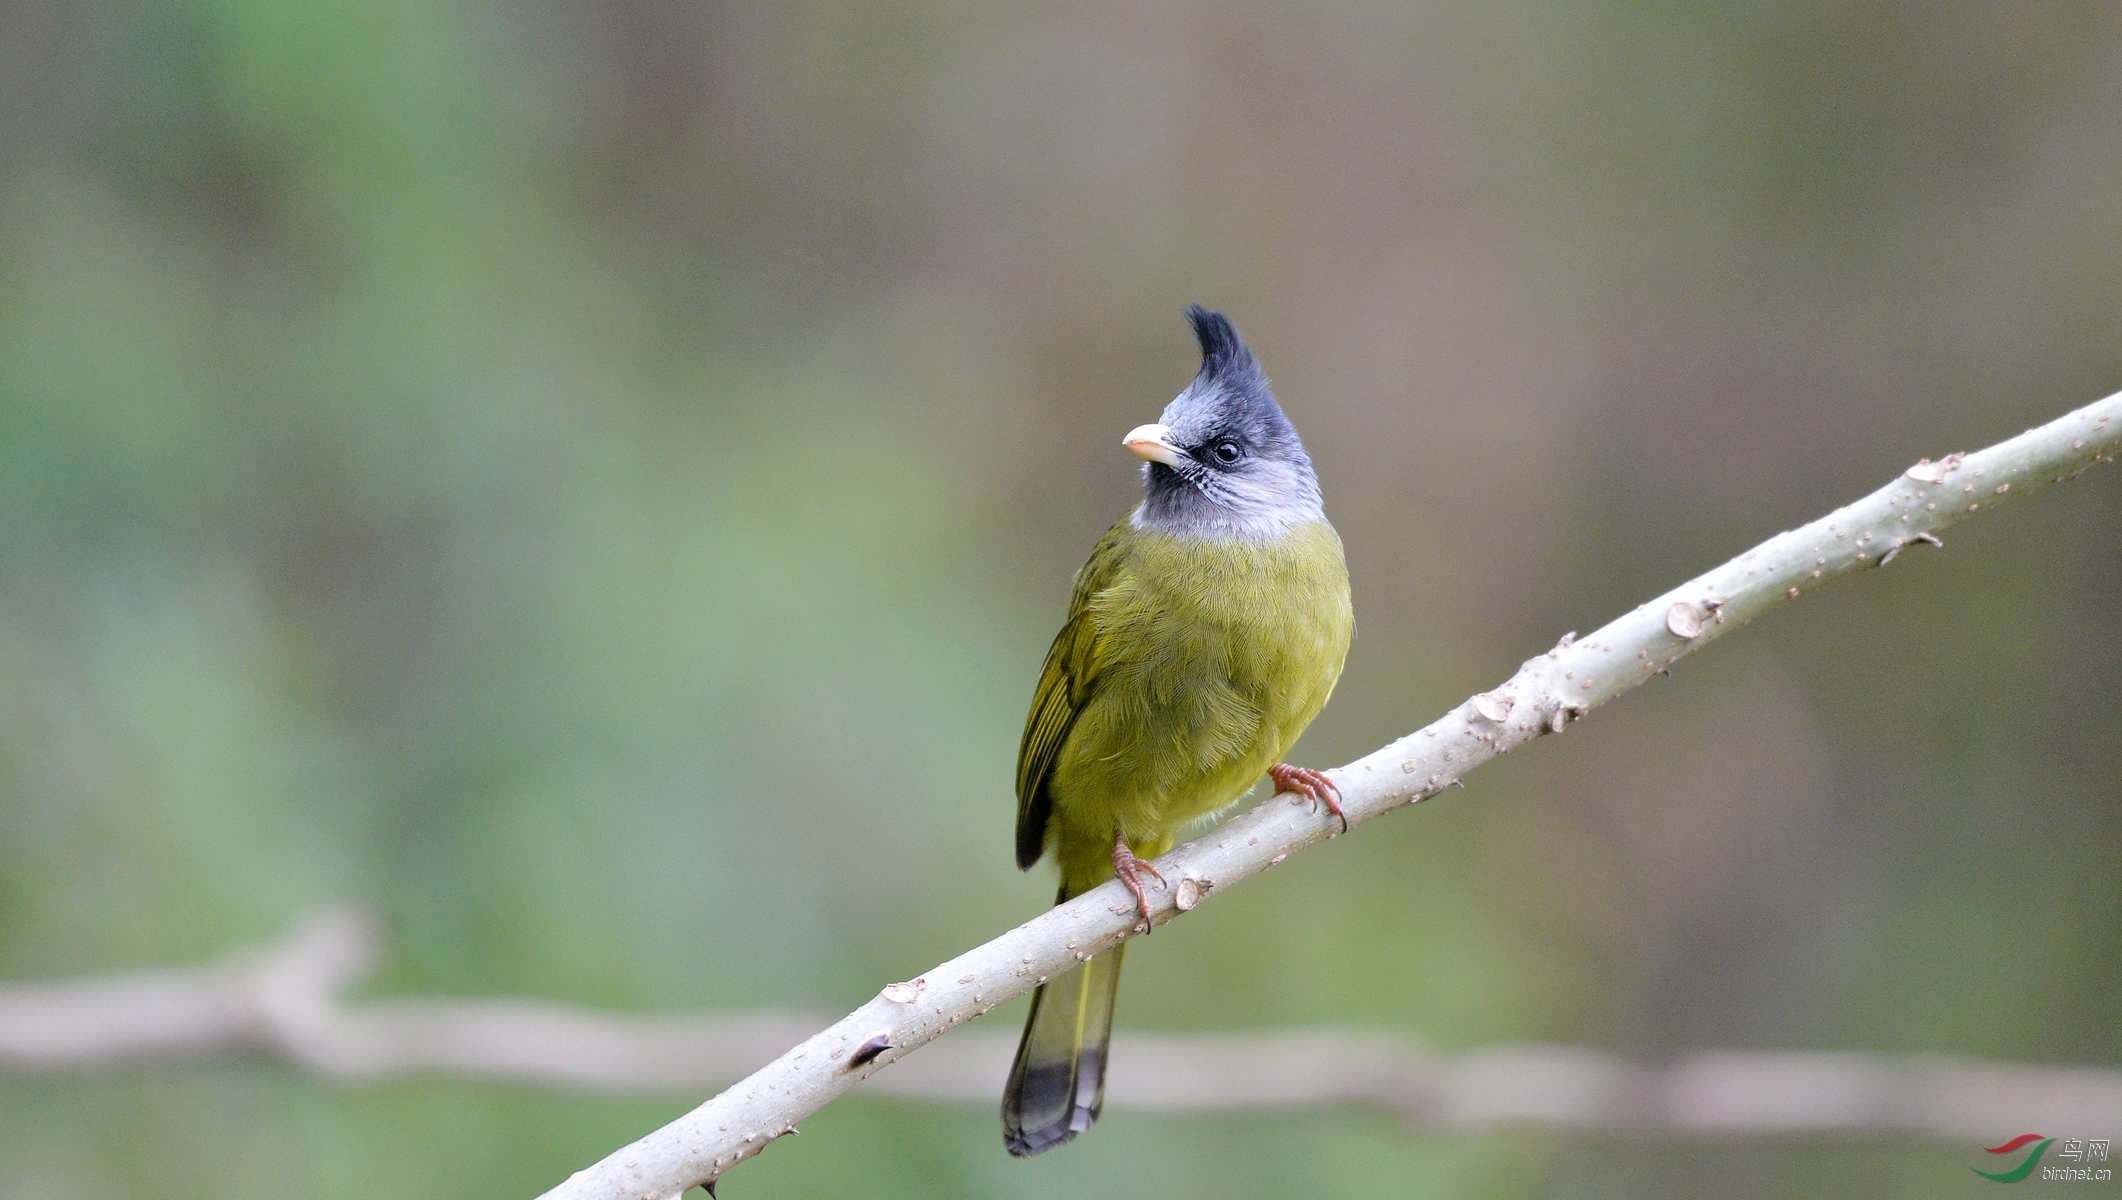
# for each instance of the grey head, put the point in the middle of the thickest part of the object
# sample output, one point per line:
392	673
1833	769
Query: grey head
1223	461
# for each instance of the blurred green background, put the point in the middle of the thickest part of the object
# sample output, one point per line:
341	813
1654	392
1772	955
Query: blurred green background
594	483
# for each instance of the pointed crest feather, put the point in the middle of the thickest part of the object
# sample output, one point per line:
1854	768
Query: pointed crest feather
1224	355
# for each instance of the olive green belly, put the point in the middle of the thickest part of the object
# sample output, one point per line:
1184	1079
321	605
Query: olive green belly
1216	655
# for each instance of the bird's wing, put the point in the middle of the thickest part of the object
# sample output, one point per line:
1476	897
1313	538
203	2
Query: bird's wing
1065	686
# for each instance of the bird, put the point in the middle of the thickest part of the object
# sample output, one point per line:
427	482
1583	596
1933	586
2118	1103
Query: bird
1205	632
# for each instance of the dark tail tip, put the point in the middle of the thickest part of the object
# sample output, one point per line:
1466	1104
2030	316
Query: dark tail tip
1057	1101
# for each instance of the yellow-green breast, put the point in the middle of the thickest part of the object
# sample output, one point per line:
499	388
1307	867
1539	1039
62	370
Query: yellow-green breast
1191	665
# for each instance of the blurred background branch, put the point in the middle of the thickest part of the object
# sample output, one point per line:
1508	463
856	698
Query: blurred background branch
289	1000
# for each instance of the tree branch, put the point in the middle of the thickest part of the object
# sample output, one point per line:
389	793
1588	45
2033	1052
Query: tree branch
287	1000
1546	694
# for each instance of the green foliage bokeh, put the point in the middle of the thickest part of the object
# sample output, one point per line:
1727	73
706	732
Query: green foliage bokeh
593	484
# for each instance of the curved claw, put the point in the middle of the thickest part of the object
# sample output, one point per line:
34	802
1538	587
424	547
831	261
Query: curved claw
1310	784
1129	870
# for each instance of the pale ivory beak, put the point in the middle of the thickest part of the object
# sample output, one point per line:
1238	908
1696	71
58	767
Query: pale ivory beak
1153	442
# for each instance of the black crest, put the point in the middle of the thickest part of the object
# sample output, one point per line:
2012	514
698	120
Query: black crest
1225	358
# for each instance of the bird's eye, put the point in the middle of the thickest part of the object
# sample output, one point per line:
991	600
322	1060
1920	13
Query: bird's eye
1226	452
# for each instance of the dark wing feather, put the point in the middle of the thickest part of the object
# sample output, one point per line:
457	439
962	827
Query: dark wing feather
1065	685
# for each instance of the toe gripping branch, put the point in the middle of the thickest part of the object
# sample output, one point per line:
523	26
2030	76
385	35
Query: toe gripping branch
1310	784
1130	870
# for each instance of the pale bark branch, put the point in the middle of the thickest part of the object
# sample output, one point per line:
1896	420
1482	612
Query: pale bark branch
287	1001
1546	694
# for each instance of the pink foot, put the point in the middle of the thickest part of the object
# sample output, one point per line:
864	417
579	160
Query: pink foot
1312	785
1129	869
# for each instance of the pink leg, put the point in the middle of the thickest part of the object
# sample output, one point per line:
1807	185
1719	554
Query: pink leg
1129	869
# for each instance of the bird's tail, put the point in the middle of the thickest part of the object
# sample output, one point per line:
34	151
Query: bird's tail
1058	1083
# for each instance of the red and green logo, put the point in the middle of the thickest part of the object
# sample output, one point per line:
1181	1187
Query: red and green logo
2023	1169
